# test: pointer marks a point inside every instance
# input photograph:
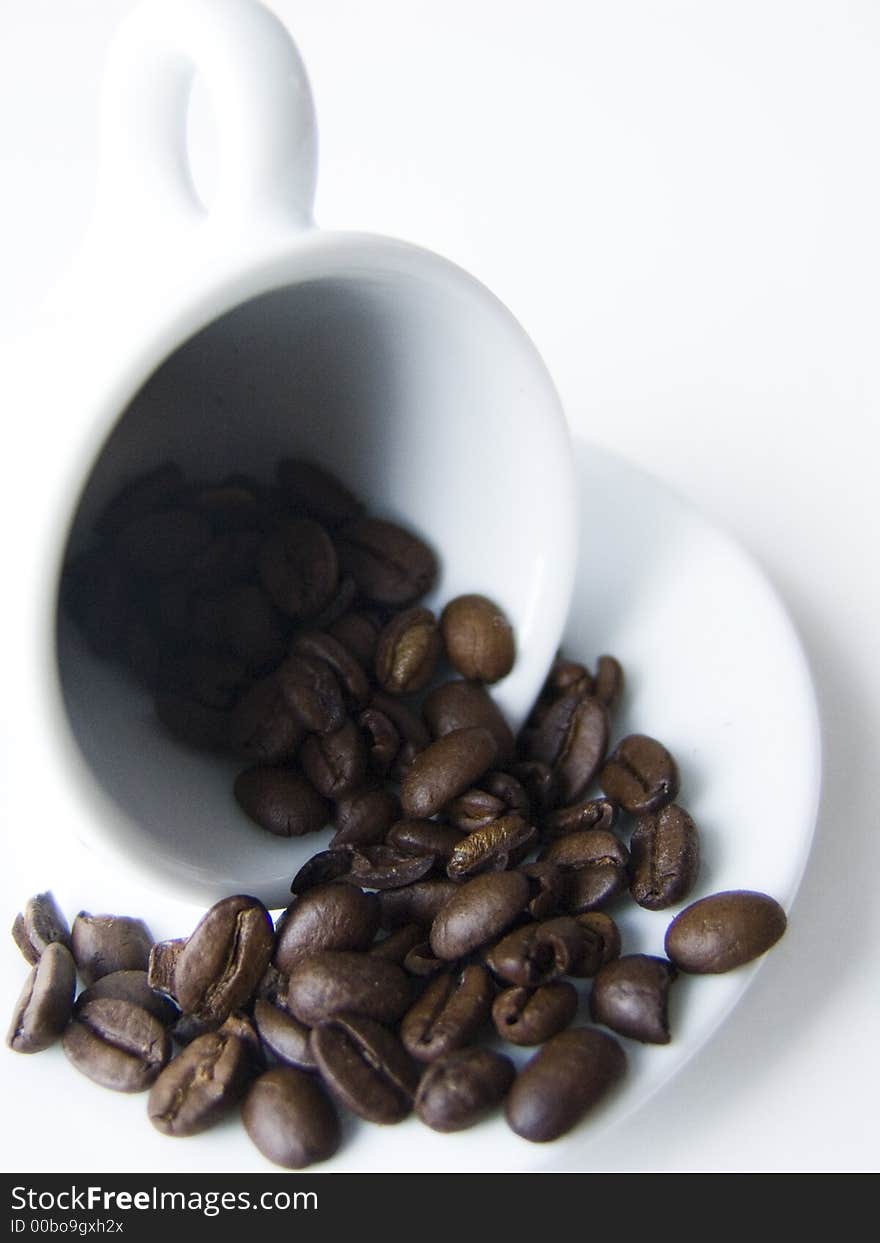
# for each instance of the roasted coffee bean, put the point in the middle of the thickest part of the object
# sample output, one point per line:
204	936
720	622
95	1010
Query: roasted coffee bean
117	1044
311	490
225	958
162	964
665	852
449	1013
609	681
539	952
572	740
460	1089
540	784
263	726
566	676
158	488
446	768
381	738
390	565
463	705
481	910
359	633
298	567
396	946
162	543
350	674
478	638
547	888
421	961
407	652
328	917
414	737
216	678
474	810
631	996
492	848
45	1002
724	931
424	837
596	866
332	981
562	1082
195	724
321	869
281	801
529	1016
312	692
131	986
365	1067
290	1118
200	1086
603	941
38	925
384	867
105	943
589	813
335	763
417	904
363	817
241	620
640	775
282	1035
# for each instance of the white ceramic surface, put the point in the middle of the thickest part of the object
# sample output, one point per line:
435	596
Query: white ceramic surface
714	669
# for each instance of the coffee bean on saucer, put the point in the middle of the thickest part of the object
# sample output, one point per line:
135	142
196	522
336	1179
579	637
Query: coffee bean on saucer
290	1118
724	931
105	943
562	1082
201	1085
460	1088
282	1035
665	857
631	996
117	1044
38	925
327	917
365	1067
466	705
530	1016
478	638
225	958
407	652
572	740
640	775
478	912
444	769
46	1001
332	981
131	986
449	1013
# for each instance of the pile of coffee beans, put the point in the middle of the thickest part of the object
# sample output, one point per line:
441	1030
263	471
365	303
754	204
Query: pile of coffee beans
462	899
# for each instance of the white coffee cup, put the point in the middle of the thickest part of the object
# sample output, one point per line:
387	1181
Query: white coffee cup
223	338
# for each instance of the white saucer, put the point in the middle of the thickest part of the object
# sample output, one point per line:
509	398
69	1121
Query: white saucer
716	671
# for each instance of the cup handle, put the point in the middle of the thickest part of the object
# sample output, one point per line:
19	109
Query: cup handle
263	111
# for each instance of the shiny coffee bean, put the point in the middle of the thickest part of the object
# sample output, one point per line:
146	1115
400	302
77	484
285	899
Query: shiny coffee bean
384	867
201	1085
424	837
589	813
328	917
363	817
162	964
462	1088
225	958
335	763
467	705
538	952
445	769
391	566
310	490
131	986
290	1118
665	855
38	925
312	693
281	801
45	1003
562	1082
529	1016
479	912
349	672
407	652
321	869
263	726
724	931
117	1044
640	775
449	1013
478	638
631	996
365	1067
419	903
105	943
492	848
474	810
596	866
298	567
380	738
285	1037
572	740
609	682
332	981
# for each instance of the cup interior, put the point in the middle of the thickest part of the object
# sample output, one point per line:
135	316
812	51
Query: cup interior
427	399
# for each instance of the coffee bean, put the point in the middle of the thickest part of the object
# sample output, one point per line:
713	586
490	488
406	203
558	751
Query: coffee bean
724	931
332	981
609	681
312	692
566	676
350	674
298	567
572	740
529	1016
449	1013
631	996
414	737
384	867
547	888
45	1002
589	813
381	738
474	810
460	1089
328	917
562	1082
478	638
365	1067
540	783
665	851
263	726
478	912
397	945
105	943
335	763
446	768
131	986
290	1118
282	1035
603	940
640	775
421	961
281	801
407	652
162	543
492	848
463	705
596	866
363	817
311	490
358	632
321	869
391	566
539	952
224	959
424	837
117	1044
419	903
200	1086
243	621
162	964
39	925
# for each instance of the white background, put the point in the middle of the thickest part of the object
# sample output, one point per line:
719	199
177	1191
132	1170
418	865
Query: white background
680	202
